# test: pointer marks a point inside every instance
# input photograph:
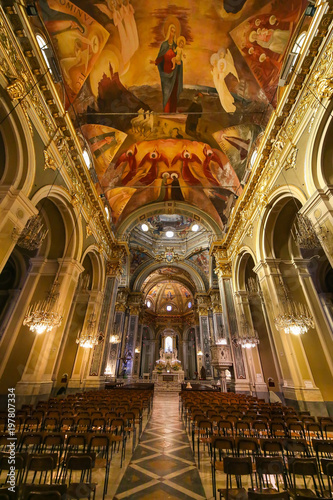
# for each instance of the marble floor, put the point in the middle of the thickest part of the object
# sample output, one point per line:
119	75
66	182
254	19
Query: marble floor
162	466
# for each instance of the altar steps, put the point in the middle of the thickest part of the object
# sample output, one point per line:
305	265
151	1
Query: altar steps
163	386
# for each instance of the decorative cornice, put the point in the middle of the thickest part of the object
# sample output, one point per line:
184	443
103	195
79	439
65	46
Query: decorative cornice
35	90
276	150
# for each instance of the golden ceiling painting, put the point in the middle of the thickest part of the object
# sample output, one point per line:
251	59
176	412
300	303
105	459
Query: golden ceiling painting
171	98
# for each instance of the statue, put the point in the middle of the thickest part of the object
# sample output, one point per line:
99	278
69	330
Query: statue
203	373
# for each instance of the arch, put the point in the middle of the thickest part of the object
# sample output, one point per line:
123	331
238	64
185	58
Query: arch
174	207
319	167
70	217
240	267
19	150
266	229
198	281
98	266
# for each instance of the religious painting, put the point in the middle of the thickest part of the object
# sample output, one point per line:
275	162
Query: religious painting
263	38
171	99
79	40
137	258
104	143
201	260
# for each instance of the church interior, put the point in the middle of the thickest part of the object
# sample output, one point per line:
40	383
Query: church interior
166	248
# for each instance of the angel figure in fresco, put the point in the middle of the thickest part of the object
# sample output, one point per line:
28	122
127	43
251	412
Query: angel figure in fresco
130	158
82	51
114	13
148	174
127	11
275	40
171	79
223	65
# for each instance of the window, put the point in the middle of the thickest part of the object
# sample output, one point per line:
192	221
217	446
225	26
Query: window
169	308
189	305
148	303
43	47
299	43
86	157
107	211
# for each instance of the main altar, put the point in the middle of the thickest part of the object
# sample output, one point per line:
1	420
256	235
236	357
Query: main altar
168	373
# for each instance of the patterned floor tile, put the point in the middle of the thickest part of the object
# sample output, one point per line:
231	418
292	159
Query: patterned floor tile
163	466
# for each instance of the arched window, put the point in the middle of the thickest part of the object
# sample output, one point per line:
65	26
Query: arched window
148	303
86	157
168	344
43	47
299	43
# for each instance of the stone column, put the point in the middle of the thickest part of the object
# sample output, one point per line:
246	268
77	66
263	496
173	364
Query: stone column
82	360
298	385
223	270
101	352
317	342
134	303
137	353
15	211
204	303
39	373
252	355
115	350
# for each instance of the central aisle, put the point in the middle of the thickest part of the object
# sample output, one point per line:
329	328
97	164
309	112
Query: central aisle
162	466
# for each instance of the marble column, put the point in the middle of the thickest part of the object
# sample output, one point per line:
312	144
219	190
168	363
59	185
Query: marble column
40	370
255	371
101	352
204	304
241	382
134	303
298	385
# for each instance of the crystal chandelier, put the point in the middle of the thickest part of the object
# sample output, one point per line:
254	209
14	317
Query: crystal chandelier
33	233
248	336
115	337
221	338
42	316
294	317
88	338
304	233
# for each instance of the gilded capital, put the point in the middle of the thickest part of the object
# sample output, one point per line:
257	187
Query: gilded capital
223	270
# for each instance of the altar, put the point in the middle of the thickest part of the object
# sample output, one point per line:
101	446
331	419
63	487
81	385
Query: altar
168	373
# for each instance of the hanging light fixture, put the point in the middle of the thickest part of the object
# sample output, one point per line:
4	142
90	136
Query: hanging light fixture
88	337
304	233
294	317
33	234
221	338
43	316
115	337
248	336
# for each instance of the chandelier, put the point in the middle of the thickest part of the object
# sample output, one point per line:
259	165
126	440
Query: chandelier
88	338
42	316
33	233
304	233
220	337
248	336
115	337
294	317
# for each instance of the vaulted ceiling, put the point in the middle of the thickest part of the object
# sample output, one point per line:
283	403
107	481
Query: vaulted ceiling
171	98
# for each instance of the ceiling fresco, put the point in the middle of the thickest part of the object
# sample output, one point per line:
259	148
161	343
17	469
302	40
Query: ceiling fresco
173	294
172	98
